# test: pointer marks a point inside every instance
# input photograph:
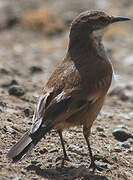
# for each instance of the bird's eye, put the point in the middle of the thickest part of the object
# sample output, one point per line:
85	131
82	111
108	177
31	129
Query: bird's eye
103	19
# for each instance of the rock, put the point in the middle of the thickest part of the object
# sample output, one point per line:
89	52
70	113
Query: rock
124	96
16	90
121	134
118	149
126	145
121	145
3	104
101	166
100	129
43	151
36	69
74	148
9	120
101	134
53	150
26	112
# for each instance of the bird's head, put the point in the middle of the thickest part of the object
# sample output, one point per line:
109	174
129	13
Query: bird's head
90	21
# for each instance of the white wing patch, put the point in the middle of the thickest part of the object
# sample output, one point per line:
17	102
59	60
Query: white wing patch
37	118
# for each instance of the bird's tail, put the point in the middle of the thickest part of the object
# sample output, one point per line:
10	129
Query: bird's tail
24	146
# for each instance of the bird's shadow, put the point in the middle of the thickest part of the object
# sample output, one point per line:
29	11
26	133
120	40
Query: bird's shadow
68	173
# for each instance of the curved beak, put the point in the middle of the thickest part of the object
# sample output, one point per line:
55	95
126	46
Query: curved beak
119	18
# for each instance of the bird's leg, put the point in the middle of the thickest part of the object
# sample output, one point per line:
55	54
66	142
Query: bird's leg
63	147
93	165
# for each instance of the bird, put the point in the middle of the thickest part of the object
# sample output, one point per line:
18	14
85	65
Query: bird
75	92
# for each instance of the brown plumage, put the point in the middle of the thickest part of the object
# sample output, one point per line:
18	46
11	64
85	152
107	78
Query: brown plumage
75	92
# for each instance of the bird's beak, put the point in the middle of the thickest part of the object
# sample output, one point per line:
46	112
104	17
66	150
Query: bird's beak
119	18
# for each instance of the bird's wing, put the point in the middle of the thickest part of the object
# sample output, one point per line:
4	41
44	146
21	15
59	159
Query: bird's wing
50	111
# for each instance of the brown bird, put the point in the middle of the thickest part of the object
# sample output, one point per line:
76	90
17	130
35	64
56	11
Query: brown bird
74	94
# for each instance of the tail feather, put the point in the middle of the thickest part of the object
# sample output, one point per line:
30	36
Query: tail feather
21	149
24	146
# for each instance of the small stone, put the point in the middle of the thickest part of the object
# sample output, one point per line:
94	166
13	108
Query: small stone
79	161
34	162
16	90
118	149
3	104
126	145
26	112
53	150
43	151
124	96
121	134
36	69
100	129
102	165
74	148
9	120
101	134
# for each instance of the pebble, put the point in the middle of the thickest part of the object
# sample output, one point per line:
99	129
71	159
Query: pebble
74	148
53	150
101	134
102	166
121	134
43	151
9	120
100	129
118	149
3	104
36	69
126	145
16	90
121	145
26	112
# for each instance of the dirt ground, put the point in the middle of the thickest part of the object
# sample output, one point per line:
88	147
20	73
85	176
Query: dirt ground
33	41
